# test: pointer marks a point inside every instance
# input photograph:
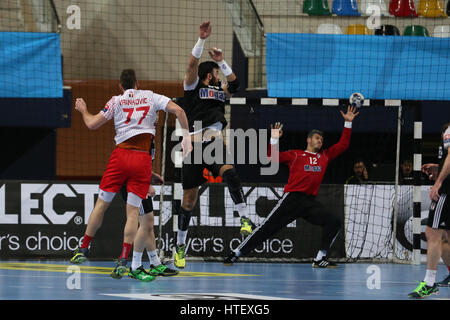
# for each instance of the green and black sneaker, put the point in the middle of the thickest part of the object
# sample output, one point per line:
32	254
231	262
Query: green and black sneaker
246	226
445	282
141	275
423	291
180	256
120	269
162	270
79	255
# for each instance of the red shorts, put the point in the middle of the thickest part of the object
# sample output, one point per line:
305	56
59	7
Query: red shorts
131	167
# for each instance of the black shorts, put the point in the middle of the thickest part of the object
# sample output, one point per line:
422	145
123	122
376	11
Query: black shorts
194	163
439	214
146	204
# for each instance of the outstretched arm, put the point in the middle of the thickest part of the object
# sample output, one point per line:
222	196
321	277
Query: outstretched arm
192	70
93	122
343	144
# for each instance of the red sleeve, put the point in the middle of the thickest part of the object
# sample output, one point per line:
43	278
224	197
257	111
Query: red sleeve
283	157
343	144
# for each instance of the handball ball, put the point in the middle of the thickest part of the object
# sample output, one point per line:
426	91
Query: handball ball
356	100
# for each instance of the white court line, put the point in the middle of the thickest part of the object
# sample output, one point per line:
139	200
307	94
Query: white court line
192	295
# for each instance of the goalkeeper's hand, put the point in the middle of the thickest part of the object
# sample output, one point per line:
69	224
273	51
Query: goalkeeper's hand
276	130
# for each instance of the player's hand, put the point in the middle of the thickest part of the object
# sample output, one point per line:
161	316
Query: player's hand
205	30
350	115
276	130
157	179
186	145
431	170
434	191
80	105
151	192
216	54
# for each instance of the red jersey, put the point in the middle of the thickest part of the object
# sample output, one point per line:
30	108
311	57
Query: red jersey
307	169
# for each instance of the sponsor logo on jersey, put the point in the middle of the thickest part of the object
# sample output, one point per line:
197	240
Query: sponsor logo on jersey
307	167
446	140
208	93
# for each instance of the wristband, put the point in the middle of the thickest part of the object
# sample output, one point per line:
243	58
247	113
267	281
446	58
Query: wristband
225	68
348	124
198	48
273	141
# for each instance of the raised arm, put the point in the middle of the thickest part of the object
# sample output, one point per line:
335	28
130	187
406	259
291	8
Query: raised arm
93	122
344	142
192	69
232	84
273	153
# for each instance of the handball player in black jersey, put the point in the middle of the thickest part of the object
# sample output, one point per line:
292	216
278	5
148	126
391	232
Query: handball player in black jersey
438	226
204	103
306	171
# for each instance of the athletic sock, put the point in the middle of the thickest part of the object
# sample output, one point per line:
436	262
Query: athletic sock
126	248
243	210
320	255
430	277
86	241
153	257
137	260
181	237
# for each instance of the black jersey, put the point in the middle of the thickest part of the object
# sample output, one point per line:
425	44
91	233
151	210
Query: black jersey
443	151
206	104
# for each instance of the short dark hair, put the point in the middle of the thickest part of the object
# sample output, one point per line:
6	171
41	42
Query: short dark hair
315	131
358	160
206	67
128	79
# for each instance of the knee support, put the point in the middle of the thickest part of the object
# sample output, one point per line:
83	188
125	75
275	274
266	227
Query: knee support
184	217
231	178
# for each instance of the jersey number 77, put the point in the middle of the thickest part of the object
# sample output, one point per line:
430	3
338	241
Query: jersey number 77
130	111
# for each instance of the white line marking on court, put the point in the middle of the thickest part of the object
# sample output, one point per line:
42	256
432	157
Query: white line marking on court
189	296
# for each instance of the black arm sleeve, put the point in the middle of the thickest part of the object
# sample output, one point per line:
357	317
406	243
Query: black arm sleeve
233	86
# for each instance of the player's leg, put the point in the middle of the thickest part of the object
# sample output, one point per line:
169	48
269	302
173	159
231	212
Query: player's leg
145	239
94	223
231	178
284	212
434	233
445	255
137	270
138	171
184	217
318	214
110	184
192	178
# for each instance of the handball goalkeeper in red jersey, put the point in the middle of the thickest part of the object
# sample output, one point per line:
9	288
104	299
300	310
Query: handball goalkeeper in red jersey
306	171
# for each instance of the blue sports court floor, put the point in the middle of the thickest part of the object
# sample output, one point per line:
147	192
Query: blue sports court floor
60	280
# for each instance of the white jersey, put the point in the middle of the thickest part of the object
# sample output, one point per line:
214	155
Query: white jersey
134	112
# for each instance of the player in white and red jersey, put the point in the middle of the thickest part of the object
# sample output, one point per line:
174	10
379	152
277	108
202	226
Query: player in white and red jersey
134	113
306	171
